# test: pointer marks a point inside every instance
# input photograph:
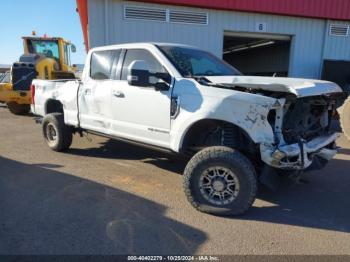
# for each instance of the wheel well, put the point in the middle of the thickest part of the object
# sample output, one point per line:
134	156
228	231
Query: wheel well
53	106
210	132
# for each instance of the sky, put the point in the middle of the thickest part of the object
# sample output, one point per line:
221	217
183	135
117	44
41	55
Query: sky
54	18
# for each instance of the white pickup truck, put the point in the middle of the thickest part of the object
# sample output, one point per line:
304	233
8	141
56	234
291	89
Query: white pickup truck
235	128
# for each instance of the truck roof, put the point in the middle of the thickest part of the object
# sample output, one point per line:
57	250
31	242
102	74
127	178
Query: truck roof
140	44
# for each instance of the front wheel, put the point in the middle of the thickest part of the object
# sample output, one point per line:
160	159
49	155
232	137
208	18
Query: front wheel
57	134
220	180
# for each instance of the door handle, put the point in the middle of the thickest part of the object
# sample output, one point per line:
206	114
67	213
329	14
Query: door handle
118	94
87	92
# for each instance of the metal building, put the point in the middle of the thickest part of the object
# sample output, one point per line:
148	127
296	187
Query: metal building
297	38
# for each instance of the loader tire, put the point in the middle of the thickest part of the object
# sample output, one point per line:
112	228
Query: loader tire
220	180
57	134
345	118
18	109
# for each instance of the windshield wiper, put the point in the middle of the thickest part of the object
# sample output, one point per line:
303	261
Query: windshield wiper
205	81
199	79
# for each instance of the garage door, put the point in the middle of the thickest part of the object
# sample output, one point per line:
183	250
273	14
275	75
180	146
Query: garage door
338	72
257	54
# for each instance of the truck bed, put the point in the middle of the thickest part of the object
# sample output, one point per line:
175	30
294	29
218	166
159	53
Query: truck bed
61	90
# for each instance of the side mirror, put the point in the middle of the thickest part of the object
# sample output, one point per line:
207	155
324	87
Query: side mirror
73	48
139	75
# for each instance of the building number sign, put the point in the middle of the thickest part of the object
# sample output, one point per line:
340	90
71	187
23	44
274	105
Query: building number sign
261	27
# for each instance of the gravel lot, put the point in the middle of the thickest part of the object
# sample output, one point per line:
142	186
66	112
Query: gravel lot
107	197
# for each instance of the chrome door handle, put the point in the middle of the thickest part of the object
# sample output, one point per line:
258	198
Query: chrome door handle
118	94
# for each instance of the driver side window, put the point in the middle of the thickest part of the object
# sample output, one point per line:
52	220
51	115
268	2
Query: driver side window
140	54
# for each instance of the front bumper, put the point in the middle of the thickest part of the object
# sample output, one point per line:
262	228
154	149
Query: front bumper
299	156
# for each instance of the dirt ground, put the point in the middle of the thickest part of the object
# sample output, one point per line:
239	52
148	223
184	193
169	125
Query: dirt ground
107	197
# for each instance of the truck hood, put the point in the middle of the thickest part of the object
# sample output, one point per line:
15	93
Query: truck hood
297	86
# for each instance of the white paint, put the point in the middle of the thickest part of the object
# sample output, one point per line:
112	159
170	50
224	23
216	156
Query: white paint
297	86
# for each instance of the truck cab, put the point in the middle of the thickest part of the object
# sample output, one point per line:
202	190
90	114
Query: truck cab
55	48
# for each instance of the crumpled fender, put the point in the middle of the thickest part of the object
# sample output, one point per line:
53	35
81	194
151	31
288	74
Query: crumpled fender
245	110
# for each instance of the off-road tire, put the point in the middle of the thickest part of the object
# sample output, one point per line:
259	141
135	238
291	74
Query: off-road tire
63	132
18	109
345	118
230	159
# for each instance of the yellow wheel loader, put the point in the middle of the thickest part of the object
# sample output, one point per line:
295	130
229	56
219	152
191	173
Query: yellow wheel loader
43	58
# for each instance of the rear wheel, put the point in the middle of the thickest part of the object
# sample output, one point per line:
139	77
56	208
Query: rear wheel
220	180
58	136
18	109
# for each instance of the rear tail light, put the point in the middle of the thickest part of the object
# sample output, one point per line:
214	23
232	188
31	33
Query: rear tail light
32	92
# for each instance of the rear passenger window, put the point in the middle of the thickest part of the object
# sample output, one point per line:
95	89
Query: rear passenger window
140	54
101	64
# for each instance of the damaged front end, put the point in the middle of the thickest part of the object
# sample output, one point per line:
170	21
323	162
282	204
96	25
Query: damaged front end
304	134
300	119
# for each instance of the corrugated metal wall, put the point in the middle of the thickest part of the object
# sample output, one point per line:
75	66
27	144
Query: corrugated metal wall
310	39
336	48
333	9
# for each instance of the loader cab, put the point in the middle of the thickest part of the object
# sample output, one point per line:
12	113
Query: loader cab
51	47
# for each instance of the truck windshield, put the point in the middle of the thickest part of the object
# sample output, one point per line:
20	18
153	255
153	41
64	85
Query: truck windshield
48	48
191	62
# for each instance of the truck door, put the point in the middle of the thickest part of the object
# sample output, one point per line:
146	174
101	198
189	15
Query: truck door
141	113
95	94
